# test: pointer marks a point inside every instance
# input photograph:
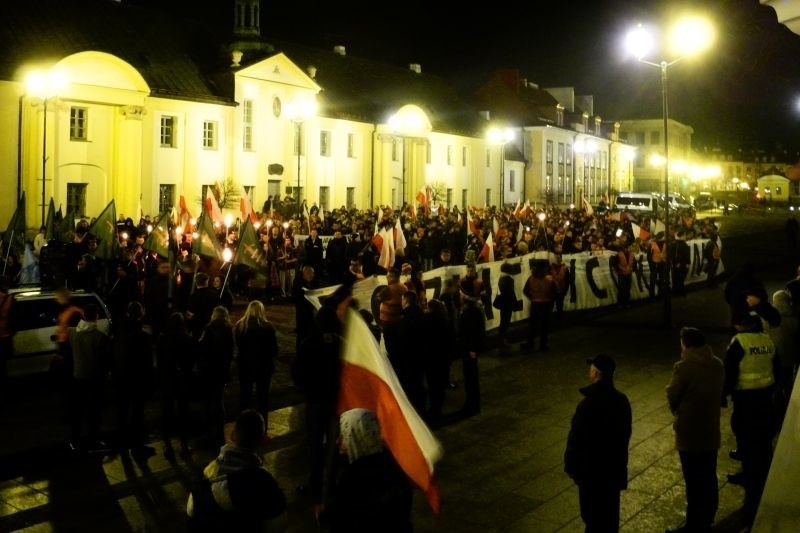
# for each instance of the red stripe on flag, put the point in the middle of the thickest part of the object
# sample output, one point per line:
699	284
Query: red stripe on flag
362	388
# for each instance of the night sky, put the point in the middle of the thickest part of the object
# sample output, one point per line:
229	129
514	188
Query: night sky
741	93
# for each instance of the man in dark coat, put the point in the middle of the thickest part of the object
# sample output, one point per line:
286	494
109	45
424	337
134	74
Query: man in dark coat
596	457
201	303
336	258
693	394
313	253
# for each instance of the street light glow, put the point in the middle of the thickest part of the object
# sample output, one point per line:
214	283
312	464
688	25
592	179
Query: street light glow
46	84
639	42
691	36
497	135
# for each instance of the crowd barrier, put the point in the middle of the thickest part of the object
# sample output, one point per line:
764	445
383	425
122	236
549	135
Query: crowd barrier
590	282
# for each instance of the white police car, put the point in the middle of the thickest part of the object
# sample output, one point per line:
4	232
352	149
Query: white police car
34	316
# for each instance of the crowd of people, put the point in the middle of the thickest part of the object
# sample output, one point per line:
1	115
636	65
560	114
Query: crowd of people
173	334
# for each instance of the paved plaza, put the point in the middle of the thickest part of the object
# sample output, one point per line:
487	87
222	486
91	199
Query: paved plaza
502	469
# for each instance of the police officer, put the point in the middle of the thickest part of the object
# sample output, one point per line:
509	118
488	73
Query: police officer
750	369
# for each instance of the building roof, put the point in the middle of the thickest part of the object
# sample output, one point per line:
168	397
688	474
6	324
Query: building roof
359	89
166	52
513	100
189	58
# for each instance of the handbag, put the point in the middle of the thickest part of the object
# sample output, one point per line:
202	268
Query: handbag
498	302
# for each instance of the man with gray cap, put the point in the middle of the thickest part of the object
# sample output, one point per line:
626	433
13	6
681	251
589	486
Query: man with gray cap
596	457
694	395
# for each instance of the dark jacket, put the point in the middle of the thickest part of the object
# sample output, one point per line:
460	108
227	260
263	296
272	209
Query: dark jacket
216	353
507	297
258	348
176	353
597	446
133	359
372	494
694	394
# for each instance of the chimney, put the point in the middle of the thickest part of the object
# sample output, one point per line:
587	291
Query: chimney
339	50
236	58
415	67
312	71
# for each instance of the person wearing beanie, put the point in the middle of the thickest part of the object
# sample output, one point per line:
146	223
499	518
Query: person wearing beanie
596	457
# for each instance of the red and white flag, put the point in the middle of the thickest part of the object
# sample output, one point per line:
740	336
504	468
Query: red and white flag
516	209
639	232
399	238
526	209
487	252
246	207
424	198
384	241
587	207
212	207
472	227
368	381
184	217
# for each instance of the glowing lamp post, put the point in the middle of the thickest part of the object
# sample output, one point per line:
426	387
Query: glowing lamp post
688	37
501	136
298	112
45	85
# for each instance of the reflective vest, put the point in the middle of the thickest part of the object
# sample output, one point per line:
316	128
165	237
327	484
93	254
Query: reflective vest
755	368
64	321
541	289
625	263
391	308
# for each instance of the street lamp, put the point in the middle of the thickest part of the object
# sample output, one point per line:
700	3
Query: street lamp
501	136
45	85
298	111
689	36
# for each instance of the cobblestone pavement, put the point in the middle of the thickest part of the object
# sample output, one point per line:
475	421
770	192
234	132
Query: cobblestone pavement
502	469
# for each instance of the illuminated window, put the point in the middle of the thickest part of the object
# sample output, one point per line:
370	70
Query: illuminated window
78	117
325	143
449	155
394	149
166	198
210	135
463	156
168	131
351	145
247	125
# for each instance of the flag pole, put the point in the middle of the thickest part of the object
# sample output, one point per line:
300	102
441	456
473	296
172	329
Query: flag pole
225	281
8	250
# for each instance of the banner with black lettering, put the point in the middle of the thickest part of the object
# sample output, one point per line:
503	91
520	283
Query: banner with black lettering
590	281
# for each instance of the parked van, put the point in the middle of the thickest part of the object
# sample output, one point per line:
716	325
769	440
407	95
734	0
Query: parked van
635	201
34	315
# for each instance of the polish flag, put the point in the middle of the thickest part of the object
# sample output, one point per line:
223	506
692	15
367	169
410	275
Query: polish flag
387	256
640	233
246	207
516	209
368	381
472	227
184	217
526	209
487	252
400	242
587	207
212	207
424	197
657	227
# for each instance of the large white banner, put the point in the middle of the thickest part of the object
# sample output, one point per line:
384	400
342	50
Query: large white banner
590	282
